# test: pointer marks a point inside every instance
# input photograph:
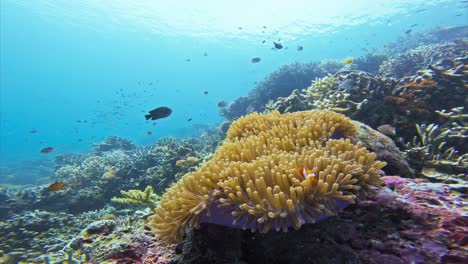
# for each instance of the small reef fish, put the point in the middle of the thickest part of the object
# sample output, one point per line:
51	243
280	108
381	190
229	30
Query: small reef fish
34	131
255	60
56	186
307	174
47	150
222	104
408	31
190	119
160	112
278	45
149	132
205	92
346	84
299	48
387	130
348	61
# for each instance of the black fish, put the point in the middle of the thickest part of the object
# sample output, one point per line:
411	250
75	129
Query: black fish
47	150
299	48
278	45
408	31
255	60
160	112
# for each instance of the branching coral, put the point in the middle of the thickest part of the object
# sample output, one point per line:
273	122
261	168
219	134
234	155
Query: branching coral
338	102
319	87
146	198
430	148
253	181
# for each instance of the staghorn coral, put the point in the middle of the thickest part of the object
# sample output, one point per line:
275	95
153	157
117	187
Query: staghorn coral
431	149
146	198
253	181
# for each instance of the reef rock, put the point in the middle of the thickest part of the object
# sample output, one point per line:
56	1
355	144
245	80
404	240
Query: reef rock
385	149
408	221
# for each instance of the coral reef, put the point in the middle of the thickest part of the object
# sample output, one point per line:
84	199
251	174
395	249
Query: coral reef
370	62
279	83
409	221
254	176
431	149
409	62
147	198
114	143
293	103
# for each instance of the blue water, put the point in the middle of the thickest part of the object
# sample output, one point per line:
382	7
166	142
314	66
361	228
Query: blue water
80	71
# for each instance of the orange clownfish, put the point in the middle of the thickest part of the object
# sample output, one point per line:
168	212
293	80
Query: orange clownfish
307	174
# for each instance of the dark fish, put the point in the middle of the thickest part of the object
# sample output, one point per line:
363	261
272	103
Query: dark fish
255	60
190	119
278	45
160	112
239	28
149	133
187	59
263	42
205	92
47	150
56	186
299	48
205	54
34	131
408	31
222	104
413	25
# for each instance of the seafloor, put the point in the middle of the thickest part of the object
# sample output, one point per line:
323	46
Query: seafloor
412	95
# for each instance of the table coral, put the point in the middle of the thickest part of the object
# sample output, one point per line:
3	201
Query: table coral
253	181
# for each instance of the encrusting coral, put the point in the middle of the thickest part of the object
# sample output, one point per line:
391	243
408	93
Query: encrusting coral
272	172
146	198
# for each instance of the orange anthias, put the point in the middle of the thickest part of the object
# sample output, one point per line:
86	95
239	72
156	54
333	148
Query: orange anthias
307	174
56	186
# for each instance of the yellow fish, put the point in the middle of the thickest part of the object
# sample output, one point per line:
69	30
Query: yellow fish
348	61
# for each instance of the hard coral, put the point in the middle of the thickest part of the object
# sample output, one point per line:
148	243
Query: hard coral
253	181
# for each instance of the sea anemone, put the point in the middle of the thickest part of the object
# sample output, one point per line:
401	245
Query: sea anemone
253	180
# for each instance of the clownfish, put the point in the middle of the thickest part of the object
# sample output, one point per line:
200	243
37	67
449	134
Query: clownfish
307	174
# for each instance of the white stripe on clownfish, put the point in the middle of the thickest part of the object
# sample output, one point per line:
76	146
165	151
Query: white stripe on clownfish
307	173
